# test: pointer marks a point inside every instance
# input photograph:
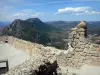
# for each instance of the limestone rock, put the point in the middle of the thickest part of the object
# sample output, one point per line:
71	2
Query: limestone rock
82	39
35	66
82	25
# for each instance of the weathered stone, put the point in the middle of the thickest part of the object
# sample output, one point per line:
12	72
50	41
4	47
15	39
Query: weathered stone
35	66
83	40
82	25
77	36
81	30
82	34
69	55
94	54
70	36
78	50
74	33
74	29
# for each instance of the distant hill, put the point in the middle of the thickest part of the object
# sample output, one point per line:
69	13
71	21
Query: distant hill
3	24
63	24
93	26
57	23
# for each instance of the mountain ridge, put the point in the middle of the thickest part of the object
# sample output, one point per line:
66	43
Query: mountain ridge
32	29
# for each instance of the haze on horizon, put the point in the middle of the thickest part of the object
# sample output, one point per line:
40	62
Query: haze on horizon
50	10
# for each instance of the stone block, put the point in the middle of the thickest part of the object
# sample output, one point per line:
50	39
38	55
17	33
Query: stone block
78	50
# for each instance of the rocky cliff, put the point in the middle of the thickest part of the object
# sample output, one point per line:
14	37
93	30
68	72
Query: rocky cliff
80	52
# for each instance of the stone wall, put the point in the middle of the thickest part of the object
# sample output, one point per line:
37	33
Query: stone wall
27	46
83	52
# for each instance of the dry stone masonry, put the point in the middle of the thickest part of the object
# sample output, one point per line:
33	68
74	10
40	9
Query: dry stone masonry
84	52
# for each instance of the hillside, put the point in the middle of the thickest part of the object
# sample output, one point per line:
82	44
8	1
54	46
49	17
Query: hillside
32	29
20	29
40	26
93	26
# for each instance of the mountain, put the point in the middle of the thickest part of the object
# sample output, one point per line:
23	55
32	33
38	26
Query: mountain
32	29
20	29
41	26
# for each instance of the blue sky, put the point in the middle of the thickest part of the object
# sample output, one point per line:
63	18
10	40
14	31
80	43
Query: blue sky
50	10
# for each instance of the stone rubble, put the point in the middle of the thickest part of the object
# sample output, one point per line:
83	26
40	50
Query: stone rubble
36	65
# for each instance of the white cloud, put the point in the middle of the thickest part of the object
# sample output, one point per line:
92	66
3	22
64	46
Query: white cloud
9	15
93	13
27	13
73	10
77	11
24	13
37	14
20	14
6	13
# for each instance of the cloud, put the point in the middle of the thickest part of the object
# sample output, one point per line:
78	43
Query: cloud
20	14
8	15
38	14
72	10
6	12
77	11
93	13
23	13
27	13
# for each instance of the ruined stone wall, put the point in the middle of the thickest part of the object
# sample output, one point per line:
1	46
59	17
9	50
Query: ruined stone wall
35	66
83	52
26	46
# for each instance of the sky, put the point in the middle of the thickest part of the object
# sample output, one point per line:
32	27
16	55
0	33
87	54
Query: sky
50	10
